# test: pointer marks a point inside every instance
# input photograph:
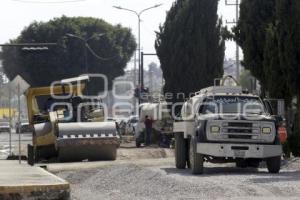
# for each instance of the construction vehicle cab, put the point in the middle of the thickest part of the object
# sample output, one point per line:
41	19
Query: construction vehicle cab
68	126
224	124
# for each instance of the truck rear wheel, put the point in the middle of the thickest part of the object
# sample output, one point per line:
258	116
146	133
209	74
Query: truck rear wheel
180	151
274	164
196	159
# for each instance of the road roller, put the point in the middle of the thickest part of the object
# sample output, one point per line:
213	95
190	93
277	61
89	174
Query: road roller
68	127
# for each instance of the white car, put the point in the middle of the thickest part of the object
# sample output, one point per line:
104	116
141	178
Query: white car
4	127
132	124
24	127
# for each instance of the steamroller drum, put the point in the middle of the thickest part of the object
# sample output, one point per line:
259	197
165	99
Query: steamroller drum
87	141
91	153
46	149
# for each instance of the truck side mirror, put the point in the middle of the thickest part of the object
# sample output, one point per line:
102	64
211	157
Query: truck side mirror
275	106
268	106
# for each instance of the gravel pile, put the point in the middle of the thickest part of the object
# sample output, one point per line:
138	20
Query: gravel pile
132	182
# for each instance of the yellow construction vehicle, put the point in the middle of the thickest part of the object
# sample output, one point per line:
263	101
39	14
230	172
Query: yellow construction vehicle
67	126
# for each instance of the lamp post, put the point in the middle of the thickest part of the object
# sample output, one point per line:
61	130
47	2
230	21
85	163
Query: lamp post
85	42
138	14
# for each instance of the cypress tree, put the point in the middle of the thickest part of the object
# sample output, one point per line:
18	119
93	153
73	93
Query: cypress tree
269	34
288	33
255	17
275	81
190	46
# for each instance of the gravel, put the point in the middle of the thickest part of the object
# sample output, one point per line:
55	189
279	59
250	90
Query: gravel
138	182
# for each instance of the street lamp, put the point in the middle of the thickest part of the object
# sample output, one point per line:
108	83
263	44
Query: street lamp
138	14
85	42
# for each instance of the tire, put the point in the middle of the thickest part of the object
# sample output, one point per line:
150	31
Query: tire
180	151
196	159
273	164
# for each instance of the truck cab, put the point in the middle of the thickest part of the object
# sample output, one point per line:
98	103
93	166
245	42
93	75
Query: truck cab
223	124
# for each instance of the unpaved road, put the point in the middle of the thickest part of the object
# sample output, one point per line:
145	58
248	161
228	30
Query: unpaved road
158	179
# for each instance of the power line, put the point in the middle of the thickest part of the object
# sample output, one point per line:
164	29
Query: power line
96	55
48	2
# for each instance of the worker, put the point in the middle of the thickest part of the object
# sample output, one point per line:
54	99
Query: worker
148	126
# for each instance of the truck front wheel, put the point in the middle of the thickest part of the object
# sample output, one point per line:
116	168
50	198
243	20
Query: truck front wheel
180	151
274	164
196	159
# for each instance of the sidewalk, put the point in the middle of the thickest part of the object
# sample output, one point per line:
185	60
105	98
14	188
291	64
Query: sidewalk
21	181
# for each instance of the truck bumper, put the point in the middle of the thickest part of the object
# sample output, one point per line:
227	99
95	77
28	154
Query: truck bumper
239	150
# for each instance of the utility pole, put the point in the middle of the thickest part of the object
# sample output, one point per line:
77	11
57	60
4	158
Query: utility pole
140	70
134	70
19	118
139	14
150	73
237	5
10	118
142	65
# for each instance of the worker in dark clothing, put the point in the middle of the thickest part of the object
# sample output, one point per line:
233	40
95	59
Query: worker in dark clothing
148	126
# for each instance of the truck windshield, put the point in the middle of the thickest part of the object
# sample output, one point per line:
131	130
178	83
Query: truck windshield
232	104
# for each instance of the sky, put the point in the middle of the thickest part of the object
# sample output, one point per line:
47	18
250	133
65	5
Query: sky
17	14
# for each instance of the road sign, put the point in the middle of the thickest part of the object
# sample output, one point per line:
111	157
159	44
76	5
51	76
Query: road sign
20	86
18	83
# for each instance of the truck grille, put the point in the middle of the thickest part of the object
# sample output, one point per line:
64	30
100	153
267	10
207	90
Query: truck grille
240	131
240	124
238	127
239	136
230	130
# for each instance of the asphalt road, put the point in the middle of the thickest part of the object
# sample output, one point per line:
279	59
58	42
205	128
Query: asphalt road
26	138
158	179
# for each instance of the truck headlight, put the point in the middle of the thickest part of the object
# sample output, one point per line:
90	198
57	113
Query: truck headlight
215	129
266	130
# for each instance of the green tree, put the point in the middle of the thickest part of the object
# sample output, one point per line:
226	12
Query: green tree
288	34
269	34
190	46
250	33
275	82
67	60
